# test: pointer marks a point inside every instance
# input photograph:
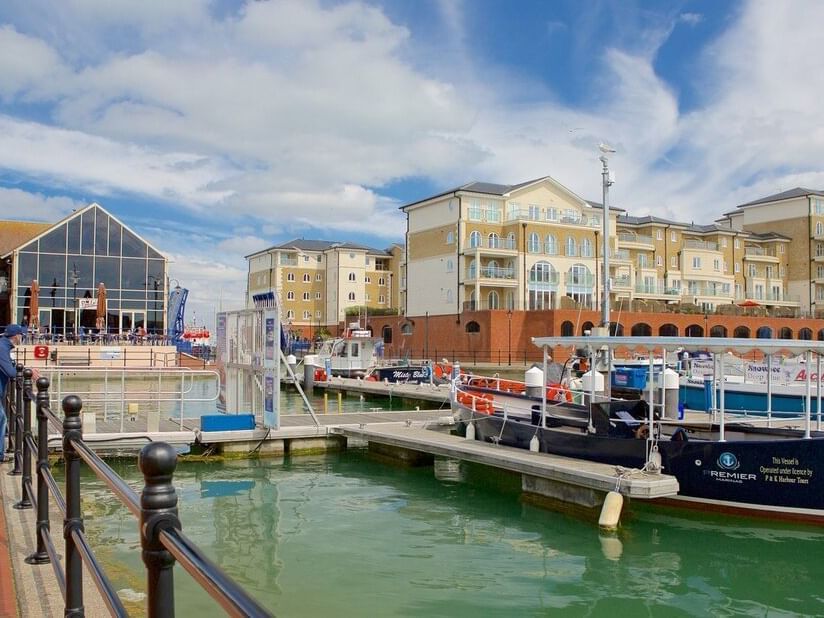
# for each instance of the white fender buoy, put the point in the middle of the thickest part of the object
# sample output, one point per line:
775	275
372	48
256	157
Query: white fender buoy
654	464
611	511
470	431
534	444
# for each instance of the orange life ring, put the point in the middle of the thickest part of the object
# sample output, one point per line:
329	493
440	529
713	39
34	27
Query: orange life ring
320	375
371	378
557	392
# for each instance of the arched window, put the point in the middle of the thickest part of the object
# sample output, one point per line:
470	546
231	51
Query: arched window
819	228
449	296
695	330
474	239
668	330
741	332
306	278
352	277
494	300
450	265
492	269
764	332
351	296
471	304
494	241
534	243
586	248
579	275
586	326
718	331
450	238
785	333
407	328
386	333
542	272
290	296
571	246
510	241
473	327
307	315
616	329
805	334
551	245
473	269
641	330
510	300
567	329
290	315
821	335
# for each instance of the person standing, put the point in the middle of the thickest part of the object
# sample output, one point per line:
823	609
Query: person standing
12	336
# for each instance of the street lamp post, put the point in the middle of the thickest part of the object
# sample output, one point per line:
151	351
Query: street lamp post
509	337
75	278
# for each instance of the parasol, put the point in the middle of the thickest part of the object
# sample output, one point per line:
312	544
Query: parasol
100	322
749	303
34	306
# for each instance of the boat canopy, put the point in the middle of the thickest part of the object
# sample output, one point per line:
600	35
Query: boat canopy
687	344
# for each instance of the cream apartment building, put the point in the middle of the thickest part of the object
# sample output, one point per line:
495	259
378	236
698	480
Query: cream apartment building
537	245
317	281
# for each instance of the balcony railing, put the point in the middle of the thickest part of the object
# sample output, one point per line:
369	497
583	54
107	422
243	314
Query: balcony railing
490	215
701	244
622	282
547	279
636	238
502	243
284	261
758	251
523	214
768	296
492	272
621	254
586	280
717	292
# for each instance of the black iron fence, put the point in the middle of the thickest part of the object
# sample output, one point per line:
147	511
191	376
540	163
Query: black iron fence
161	537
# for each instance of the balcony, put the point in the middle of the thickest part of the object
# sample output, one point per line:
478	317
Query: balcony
628	238
547	280
655	289
765	297
707	291
624	282
757	254
494	275
700	244
494	246
284	261
579	280
622	255
485	215
523	214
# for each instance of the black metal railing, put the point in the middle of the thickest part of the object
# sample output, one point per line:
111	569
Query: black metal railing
161	537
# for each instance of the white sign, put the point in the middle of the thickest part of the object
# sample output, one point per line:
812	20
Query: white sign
87	303
107	353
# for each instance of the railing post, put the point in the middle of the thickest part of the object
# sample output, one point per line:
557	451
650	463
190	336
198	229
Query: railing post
158	512
23	390
16	420
72	430
41	556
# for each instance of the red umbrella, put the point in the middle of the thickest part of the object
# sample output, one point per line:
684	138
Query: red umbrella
749	303
100	322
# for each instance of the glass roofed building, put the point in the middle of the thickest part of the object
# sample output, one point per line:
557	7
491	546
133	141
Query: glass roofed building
91	272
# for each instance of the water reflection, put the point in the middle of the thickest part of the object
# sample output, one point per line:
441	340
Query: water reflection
343	535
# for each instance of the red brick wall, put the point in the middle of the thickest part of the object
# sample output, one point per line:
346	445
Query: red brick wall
446	336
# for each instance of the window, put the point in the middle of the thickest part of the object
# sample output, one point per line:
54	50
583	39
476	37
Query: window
551	214
493	241
716	264
724	265
305	258
571	246
381	281
819	249
474	239
494	300
307	315
781	271
737	267
306	296
290	315
781	248
586	248
818	206
317	296
673	237
352	277
738	289
674	261
450	265
450	238
659	259
382	298
317	314
769	270
290	276
474	210
724	241
753	270
659	234
534	212
290	296
736	244
320	258
510	241
534	243
551	245
642	260
351	296
306	278
696	262
367	279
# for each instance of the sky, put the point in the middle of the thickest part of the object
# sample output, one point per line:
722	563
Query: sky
216	128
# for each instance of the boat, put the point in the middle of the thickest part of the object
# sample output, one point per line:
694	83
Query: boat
350	356
721	465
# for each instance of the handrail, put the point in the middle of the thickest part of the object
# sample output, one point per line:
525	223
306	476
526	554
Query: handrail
155	508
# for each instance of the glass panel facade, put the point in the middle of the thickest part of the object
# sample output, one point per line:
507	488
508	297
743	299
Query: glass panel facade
91	244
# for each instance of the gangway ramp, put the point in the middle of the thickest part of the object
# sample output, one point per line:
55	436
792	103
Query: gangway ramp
565	470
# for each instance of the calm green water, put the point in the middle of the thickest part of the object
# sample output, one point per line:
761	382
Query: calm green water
344	535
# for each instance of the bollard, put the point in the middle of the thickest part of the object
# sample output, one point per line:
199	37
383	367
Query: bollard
16	426
73	521
158	512
23	395
41	556
340	403
325	402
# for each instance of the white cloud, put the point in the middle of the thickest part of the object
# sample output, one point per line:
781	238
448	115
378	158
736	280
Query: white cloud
22	205
691	19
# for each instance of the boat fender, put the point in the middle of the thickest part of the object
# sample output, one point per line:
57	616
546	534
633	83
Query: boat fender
534	444
654	462
611	511
470	431
642	432
446	421
679	435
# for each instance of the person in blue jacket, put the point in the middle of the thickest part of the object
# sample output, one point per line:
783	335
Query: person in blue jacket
12	336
